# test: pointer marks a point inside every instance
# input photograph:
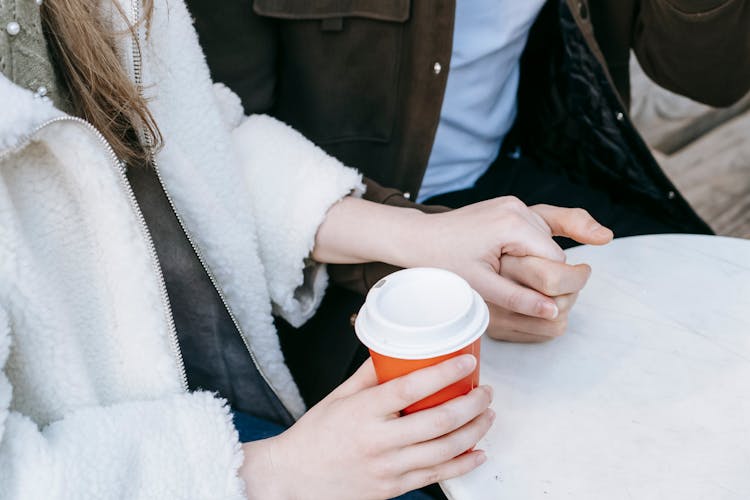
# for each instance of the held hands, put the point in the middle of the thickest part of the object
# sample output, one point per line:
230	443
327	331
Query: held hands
505	250
353	444
556	280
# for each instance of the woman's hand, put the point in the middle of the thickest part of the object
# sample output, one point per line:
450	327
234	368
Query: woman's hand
354	444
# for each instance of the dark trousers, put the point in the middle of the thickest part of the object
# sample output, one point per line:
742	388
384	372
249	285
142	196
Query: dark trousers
520	177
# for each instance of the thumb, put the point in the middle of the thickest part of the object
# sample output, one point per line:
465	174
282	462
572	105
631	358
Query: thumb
363	378
574	223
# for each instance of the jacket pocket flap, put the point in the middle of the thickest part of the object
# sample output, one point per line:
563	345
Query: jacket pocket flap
382	10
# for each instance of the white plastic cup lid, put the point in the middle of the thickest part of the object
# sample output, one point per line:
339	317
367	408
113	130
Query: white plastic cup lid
421	313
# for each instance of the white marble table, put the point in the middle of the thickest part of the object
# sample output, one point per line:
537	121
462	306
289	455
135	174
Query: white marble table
648	394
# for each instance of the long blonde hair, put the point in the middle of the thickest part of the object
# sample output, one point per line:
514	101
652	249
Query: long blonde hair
100	89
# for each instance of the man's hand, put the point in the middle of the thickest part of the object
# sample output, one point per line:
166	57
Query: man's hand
574	223
558	281
561	282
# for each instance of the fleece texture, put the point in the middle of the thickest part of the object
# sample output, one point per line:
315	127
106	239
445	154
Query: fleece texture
92	404
283	217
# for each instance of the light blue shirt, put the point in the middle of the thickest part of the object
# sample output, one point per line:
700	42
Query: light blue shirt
479	106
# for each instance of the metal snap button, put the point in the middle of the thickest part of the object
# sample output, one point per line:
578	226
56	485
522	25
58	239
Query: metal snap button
13	28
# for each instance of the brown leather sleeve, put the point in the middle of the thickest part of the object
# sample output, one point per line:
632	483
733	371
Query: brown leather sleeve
361	277
697	48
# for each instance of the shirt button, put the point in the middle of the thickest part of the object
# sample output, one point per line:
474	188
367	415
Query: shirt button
671	195
41	91
407	195
620	116
437	68
13	28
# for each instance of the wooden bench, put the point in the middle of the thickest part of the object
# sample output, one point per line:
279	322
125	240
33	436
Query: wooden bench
705	151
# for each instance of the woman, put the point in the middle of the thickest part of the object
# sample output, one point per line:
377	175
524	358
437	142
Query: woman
165	218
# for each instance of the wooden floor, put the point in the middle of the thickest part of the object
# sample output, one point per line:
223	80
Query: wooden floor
705	151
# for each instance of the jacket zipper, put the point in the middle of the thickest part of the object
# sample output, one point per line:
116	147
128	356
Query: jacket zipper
120	167
137	76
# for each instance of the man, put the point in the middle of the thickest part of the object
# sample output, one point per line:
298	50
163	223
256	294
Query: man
451	102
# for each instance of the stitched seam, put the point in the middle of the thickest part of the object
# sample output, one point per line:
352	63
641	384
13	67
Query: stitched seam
11	67
399	13
703	13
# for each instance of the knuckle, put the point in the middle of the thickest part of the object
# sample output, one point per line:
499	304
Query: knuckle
479	399
445	419
592	225
405	390
581	213
513	203
419	479
515	300
431	476
384	469
369	448
451	448
515	221
550	283
511	223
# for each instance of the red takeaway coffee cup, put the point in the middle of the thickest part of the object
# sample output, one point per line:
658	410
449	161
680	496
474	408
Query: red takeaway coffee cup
417	318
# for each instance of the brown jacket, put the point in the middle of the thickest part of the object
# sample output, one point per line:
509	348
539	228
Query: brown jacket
365	80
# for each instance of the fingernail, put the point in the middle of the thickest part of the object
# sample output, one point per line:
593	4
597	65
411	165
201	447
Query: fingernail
481	458
467	363
491	413
549	310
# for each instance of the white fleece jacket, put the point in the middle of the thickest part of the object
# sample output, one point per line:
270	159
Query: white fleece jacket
92	403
